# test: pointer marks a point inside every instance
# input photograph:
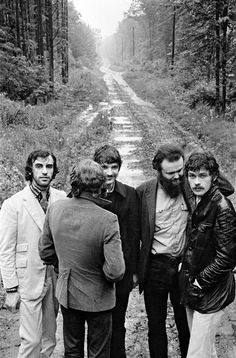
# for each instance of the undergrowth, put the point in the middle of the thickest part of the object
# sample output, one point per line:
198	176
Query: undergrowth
215	132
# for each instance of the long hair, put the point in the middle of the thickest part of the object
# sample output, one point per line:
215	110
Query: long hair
31	159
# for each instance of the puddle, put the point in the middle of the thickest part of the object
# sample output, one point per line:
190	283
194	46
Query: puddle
117	102
128	139
126	149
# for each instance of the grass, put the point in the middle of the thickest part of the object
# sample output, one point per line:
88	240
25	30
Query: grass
56	126
215	132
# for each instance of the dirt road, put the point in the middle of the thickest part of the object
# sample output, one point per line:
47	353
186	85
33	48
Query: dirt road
128	114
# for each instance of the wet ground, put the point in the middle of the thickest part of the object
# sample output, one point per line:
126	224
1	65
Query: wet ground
127	114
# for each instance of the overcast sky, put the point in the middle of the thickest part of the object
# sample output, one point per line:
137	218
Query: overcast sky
102	14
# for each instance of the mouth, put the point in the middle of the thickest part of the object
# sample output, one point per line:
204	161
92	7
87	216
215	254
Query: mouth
198	189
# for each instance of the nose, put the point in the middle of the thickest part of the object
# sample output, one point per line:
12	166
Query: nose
176	176
196	181
45	171
109	171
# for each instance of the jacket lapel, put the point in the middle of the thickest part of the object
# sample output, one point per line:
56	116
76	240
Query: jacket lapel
151	195
33	207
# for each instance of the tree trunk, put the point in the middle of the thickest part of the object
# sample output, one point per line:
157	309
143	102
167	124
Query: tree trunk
64	13
224	54
17	25
40	50
217	62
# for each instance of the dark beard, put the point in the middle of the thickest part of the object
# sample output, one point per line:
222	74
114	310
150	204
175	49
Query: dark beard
171	188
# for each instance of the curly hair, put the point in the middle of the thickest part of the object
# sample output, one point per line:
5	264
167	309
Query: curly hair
86	176
171	152
39	153
202	159
107	154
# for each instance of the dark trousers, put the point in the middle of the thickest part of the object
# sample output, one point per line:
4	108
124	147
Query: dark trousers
123	289
99	333
163	280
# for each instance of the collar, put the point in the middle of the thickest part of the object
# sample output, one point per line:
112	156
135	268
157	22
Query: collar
95	199
120	188
38	193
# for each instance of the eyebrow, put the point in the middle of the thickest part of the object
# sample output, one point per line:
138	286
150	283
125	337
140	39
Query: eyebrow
176	171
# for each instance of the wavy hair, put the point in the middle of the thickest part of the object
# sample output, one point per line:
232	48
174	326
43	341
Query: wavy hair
88	176
40	153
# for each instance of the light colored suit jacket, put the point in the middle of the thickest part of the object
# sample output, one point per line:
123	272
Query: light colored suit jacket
21	223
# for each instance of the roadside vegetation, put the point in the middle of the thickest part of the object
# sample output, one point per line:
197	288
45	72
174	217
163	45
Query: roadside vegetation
175	103
55	126
180	55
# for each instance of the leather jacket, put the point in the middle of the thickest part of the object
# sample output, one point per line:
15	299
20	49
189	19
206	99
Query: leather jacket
210	254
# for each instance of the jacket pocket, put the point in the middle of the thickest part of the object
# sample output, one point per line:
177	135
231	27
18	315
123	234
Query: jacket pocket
23	247
21	258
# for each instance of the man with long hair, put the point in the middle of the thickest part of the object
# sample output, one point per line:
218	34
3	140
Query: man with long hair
27	280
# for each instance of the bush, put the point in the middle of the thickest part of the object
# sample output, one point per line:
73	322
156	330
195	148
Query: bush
20	79
202	93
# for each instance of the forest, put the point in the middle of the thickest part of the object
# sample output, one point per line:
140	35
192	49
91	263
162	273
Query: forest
178	54
192	41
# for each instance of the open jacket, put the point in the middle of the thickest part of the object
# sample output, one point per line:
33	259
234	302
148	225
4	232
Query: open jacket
147	193
84	240
210	254
21	223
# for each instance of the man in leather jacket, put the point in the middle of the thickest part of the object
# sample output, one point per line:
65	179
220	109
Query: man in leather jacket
206	276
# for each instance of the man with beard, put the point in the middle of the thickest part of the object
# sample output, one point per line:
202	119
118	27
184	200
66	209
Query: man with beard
164	214
25	277
165	203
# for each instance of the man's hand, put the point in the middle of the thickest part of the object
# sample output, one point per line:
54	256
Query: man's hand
12	301
135	280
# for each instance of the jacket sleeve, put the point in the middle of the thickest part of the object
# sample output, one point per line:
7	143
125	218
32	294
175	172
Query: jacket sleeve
134	231
114	265
47	251
8	241
225	241
224	185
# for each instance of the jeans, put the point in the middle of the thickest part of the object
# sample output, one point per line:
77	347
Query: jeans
123	289
162	280
99	333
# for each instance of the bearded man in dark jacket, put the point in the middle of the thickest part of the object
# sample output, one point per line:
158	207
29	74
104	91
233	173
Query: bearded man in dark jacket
206	276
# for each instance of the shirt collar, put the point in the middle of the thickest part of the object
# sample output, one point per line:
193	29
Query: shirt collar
37	192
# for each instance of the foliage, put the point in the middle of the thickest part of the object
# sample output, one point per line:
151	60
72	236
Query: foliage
201	121
20	79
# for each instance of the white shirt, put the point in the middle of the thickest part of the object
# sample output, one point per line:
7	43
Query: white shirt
170	224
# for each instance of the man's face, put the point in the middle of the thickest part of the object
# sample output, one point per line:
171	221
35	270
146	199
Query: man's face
43	171
111	171
171	176
200	181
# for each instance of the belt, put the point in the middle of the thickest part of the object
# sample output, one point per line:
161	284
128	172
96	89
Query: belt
167	257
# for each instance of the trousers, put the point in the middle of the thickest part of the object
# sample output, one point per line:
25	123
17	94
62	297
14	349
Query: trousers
162	281
202	333
98	336
38	322
123	289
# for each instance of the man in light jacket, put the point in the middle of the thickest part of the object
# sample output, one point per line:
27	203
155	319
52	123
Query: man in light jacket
26	279
83	240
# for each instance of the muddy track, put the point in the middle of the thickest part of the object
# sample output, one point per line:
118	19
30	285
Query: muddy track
132	122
